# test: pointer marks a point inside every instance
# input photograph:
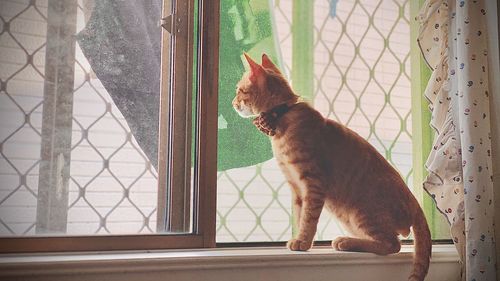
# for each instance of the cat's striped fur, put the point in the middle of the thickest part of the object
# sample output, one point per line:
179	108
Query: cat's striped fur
328	165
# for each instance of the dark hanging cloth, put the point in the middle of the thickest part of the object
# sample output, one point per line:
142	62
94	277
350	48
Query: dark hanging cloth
122	42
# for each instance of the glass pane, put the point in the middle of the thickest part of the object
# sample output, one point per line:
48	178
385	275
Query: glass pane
79	115
353	65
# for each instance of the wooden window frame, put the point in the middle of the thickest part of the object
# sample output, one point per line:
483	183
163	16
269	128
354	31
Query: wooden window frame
202	234
205	169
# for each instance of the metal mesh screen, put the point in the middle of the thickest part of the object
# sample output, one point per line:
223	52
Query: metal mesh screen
113	186
361	79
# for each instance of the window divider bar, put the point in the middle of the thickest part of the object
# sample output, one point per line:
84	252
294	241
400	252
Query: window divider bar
175	122
161	212
206	166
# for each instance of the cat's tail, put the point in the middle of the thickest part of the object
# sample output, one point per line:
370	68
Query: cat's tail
423	246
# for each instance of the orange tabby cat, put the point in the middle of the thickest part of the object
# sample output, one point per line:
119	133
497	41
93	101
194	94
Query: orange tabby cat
328	165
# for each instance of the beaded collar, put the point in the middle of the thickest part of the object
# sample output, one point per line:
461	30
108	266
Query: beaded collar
267	121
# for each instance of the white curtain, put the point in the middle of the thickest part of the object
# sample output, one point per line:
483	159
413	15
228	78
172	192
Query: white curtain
453	40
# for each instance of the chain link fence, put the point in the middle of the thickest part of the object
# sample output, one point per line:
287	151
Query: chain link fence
361	79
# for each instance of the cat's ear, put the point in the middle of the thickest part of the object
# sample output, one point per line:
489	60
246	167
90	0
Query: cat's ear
267	63
256	71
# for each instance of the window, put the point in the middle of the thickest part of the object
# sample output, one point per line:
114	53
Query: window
97	114
352	61
125	151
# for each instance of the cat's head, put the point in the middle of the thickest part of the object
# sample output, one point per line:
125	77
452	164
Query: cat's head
261	89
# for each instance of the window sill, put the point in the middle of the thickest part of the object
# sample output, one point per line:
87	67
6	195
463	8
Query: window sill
227	264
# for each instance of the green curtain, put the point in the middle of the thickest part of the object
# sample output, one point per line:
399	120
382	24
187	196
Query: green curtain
245	26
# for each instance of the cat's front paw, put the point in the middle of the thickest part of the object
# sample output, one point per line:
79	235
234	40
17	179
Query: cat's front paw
298	245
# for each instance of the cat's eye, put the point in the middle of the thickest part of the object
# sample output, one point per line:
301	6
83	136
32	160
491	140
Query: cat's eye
243	92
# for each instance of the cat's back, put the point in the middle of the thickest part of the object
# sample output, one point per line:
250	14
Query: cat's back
302	128
305	131
305	125
308	126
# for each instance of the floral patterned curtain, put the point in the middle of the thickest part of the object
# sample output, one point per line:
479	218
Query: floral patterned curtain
454	43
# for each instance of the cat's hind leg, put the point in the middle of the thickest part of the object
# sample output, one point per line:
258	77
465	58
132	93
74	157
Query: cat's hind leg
373	234
382	246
